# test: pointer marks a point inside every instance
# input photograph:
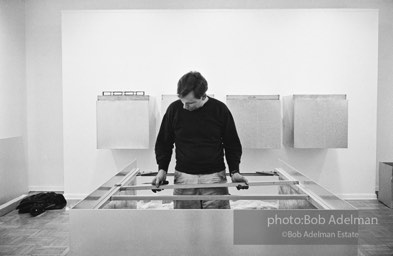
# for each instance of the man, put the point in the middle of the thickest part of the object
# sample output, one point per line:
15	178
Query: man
202	128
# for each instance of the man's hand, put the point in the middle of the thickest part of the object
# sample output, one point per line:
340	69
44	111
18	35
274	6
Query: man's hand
237	177
159	180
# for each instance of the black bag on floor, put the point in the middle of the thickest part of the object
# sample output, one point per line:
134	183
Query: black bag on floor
39	203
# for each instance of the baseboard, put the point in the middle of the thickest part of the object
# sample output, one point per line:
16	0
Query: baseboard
46	188
10	205
361	196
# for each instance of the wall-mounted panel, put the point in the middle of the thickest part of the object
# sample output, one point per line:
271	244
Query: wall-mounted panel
257	119
123	122
320	121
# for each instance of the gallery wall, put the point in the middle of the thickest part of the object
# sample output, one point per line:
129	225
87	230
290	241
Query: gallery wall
44	72
313	51
13	167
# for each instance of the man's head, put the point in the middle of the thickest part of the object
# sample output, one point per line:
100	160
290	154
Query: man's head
191	89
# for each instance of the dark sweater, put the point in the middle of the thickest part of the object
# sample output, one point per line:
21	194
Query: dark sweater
201	137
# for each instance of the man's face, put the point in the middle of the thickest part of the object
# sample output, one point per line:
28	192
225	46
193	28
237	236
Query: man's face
191	103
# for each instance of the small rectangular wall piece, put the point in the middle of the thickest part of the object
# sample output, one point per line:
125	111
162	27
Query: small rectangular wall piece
258	120
320	121
123	122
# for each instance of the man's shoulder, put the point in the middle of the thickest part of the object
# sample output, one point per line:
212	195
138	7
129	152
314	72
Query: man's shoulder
218	103
174	106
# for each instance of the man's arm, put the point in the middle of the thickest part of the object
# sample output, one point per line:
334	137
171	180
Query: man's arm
164	143
231	143
163	149
233	149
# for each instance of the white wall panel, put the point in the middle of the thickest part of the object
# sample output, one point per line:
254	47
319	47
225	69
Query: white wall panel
320	121
257	119
123	122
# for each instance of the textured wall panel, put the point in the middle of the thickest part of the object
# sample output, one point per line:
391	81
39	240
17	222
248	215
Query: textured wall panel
123	122
320	121
257	119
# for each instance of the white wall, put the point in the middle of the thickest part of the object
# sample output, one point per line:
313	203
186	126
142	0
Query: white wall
12	69
44	93
385	88
13	169
44	96
239	52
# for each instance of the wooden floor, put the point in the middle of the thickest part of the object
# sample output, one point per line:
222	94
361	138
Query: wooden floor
47	234
375	239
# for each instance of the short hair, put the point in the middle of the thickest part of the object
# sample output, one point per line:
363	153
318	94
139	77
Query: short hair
192	81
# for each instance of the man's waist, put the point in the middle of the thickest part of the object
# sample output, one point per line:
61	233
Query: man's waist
192	168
